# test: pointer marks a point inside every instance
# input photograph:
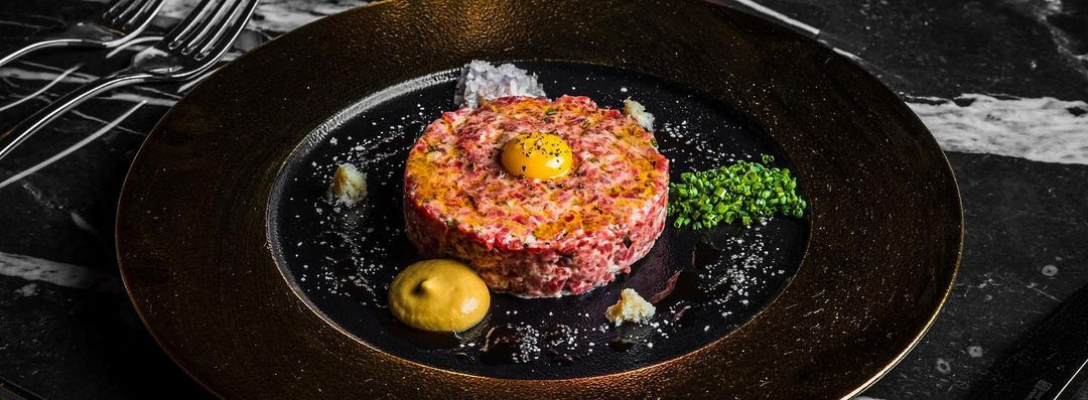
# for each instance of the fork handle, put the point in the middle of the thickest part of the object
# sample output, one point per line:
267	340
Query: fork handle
10	140
10	55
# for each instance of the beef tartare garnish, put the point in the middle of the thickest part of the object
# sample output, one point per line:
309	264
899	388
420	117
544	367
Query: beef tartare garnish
439	296
744	192
630	308
543	198
635	110
537	155
481	81
348	185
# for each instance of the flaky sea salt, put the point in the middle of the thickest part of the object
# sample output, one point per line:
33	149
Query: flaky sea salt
482	81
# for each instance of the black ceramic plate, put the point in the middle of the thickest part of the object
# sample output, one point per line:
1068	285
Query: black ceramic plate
343	260
260	288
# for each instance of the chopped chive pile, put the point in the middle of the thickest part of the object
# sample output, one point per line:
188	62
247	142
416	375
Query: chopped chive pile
744	192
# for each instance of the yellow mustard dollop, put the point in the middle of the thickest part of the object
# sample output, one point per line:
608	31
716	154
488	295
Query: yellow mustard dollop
537	155
439	296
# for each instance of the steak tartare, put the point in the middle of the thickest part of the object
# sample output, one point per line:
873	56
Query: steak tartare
537	237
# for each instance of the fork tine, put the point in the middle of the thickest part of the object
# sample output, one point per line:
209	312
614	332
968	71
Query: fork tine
115	9
146	13
200	27
185	27
221	17
131	8
224	35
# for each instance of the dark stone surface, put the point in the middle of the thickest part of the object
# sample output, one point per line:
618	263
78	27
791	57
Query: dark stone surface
944	48
1022	216
65	343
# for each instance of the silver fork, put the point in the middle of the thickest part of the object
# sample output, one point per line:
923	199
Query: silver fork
118	24
192	47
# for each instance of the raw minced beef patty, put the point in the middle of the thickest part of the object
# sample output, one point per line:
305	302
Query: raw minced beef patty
529	237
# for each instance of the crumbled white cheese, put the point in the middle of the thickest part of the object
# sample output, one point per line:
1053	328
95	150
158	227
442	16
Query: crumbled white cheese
348	185
630	308
638	112
482	81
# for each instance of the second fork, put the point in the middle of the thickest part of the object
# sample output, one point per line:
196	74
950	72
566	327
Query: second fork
118	24
191	47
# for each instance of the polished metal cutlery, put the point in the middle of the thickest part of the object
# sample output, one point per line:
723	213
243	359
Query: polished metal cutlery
118	24
192	47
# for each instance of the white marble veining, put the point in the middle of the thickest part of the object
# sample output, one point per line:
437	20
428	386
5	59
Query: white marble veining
20	24
51	75
104	122
779	16
59	77
27	290
62	274
72	148
1040	129
35	72
1044	12
814	32
84	225
135	45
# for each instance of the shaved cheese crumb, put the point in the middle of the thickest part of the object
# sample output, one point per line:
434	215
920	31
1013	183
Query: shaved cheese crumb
638	112
631	308
348	185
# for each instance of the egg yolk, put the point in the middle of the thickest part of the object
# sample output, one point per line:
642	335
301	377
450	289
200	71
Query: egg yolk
439	296
537	155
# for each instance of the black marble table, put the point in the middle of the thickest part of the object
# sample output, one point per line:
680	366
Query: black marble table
1001	83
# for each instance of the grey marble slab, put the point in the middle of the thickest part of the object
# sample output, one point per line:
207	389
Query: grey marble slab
1002	84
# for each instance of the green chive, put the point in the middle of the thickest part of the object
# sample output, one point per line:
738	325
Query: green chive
745	191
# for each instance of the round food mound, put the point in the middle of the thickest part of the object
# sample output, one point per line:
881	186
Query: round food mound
531	237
